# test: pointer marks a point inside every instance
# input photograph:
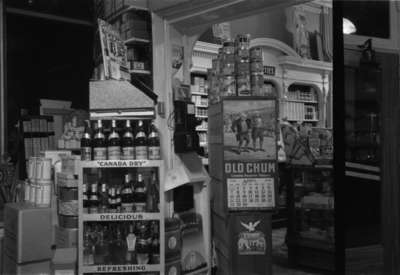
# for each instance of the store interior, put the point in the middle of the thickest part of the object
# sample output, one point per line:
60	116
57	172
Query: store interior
55	74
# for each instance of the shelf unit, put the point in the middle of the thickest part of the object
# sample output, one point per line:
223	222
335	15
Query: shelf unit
112	218
202	56
311	215
303	86
301	104
133	20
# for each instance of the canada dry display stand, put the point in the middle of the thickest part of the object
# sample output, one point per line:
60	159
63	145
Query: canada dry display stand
110	219
243	158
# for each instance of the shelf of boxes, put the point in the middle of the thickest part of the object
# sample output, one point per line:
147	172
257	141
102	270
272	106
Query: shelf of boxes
139	72
301	104
133	40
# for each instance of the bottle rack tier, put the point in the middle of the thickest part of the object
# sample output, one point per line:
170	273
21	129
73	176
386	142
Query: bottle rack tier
114	241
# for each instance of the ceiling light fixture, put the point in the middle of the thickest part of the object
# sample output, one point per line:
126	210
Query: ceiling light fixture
348	26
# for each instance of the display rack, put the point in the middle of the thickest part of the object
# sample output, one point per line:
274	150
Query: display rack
133	20
244	181
202	56
112	218
37	134
311	233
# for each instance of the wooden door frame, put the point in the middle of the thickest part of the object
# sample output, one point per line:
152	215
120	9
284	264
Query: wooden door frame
3	94
390	160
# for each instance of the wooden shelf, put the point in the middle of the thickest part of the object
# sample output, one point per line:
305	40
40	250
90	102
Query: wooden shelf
133	40
201	130
116	217
199	116
114	16
120	268
198	93
304	120
302	101
201	106
140	72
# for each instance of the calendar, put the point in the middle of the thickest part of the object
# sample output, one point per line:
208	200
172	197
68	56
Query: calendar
250	193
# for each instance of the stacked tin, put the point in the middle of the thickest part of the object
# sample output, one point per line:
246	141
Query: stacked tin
67	193
38	186
243	65
228	69
257	74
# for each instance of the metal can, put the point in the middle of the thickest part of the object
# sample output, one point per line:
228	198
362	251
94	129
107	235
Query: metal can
256	66
256	54
242	46
243	85
228	47
269	89
228	68
229	86
243	66
229	58
257	82
43	193
216	65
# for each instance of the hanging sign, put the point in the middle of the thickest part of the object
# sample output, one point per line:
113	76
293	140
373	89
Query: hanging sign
269	70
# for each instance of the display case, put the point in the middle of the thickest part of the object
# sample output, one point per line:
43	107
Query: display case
311	233
117	235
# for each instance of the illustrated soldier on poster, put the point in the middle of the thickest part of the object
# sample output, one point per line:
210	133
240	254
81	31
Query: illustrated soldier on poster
249	130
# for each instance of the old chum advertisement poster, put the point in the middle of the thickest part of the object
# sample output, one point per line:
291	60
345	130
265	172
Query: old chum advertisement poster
250	153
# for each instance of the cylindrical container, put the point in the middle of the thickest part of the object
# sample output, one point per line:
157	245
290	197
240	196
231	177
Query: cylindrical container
67	194
32	192
68	201
256	66
27	191
68	221
256	54
173	237
257	83
228	47
243	66
68	208
43	169
228	86
43	193
32	167
216	65
242	46
243	85
173	265
268	89
229	67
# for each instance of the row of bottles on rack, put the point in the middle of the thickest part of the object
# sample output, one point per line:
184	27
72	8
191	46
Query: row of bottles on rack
126	144
121	243
139	193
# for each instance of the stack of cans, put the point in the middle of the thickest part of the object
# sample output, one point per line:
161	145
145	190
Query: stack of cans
227	58
237	71
257	74
243	65
38	186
